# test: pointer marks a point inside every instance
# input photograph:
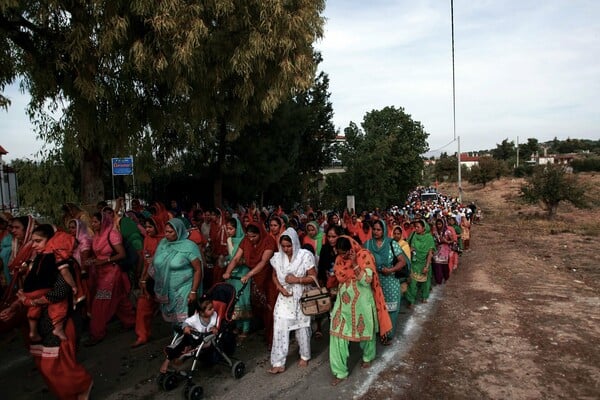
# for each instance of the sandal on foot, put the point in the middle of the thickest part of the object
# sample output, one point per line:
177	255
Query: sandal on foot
318	335
365	364
303	363
386	341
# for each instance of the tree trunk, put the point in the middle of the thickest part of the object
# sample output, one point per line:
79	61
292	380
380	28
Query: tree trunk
92	187
552	208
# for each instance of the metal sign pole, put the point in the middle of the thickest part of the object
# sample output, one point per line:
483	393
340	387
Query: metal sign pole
133	175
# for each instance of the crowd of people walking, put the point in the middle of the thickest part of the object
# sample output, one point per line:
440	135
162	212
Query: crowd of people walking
373	263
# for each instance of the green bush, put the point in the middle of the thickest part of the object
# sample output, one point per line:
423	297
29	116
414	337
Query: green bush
590	164
523	170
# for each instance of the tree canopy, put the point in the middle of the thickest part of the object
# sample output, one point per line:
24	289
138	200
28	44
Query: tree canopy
382	160
155	77
504	151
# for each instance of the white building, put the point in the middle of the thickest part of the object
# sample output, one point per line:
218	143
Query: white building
8	185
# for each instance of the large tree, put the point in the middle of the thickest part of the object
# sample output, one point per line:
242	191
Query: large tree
549	185
529	149
383	159
504	151
156	74
281	158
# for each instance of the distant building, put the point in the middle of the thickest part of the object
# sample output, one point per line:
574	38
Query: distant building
8	185
468	160
562	159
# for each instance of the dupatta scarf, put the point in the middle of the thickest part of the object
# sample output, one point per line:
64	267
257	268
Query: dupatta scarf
22	251
300	262
151	242
344	272
316	241
253	252
381	254
233	243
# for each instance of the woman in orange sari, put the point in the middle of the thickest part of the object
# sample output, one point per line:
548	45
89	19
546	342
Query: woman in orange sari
146	303
54	358
359	312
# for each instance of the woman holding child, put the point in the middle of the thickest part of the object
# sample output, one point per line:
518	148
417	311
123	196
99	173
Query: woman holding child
53	338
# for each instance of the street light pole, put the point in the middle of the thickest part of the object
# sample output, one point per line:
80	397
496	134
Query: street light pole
454	104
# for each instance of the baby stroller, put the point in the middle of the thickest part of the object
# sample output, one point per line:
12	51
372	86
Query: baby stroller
224	298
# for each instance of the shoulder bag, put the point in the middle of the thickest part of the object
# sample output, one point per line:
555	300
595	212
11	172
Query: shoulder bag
315	301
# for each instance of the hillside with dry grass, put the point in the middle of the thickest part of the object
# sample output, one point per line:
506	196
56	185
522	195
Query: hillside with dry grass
520	318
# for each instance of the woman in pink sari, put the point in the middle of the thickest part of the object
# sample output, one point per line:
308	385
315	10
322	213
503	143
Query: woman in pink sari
111	284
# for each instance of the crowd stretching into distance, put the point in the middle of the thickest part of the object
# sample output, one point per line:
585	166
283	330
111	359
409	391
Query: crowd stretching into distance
68	282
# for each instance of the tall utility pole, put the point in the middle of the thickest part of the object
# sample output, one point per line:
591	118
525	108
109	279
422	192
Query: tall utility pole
517	152
454	104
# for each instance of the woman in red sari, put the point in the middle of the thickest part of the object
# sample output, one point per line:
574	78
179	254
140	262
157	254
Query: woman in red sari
22	250
276	227
257	248
111	284
55	358
146	304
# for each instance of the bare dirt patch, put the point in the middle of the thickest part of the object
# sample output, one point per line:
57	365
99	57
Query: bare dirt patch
520	319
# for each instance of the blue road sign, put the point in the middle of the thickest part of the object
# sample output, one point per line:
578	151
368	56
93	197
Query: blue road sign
122	166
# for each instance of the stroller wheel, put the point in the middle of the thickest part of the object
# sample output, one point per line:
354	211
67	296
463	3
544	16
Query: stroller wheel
170	381
193	392
160	379
238	369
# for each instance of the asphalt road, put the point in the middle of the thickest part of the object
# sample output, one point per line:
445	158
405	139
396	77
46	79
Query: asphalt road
120	372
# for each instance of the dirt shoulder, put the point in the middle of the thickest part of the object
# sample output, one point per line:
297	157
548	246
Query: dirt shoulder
520	318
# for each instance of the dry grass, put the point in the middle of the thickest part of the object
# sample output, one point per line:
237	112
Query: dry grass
501	204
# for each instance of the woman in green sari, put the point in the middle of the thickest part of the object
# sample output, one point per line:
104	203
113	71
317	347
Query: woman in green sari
383	249
177	272
423	246
243	309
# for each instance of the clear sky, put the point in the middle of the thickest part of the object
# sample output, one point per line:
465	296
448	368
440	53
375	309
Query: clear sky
526	68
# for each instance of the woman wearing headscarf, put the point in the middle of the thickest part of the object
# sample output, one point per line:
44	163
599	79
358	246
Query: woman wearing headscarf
257	248
422	245
384	249
21	246
216	250
314	237
458	245
293	269
444	237
54	358
5	248
81	253
146	303
365	232
111	285
359	311
325	272
276	227
242	312
177	272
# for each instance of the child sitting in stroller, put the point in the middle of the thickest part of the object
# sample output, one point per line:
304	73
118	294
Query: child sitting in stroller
204	322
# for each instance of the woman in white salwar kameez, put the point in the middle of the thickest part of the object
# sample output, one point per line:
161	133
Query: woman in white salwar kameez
292	271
